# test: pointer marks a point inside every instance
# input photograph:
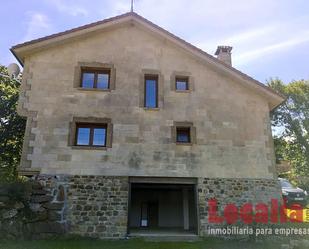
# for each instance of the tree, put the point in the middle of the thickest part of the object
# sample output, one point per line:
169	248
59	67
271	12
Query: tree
292	117
12	128
280	149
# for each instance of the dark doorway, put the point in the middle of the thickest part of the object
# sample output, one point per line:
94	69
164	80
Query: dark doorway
162	207
153	214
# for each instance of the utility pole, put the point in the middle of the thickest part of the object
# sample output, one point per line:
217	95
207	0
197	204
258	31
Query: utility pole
132	3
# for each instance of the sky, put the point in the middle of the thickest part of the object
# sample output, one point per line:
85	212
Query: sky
270	38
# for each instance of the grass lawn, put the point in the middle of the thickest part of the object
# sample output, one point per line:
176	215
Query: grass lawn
134	244
206	243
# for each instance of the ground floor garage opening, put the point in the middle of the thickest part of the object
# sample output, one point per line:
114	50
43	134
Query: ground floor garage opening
162	208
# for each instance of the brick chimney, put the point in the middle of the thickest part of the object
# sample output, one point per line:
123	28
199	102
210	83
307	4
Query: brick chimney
223	53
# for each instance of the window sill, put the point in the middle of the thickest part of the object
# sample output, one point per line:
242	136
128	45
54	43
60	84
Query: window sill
183	91
151	109
78	147
187	144
93	89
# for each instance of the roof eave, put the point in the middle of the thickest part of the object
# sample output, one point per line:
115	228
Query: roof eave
21	62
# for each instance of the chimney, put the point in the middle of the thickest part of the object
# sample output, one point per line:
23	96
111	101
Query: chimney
223	53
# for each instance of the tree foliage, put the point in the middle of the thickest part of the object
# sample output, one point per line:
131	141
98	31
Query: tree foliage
12	127
292	118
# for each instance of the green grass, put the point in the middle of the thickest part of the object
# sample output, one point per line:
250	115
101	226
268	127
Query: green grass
133	244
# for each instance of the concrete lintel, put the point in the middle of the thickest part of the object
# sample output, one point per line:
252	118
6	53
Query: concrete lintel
163	180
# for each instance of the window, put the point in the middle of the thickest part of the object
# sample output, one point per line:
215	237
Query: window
95	78
182	83
151	91
91	134
183	135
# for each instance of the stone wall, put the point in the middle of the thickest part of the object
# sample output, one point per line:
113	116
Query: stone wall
235	191
231	120
98	206
46	206
32	210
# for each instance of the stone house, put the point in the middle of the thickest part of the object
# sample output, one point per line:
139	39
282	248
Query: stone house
142	128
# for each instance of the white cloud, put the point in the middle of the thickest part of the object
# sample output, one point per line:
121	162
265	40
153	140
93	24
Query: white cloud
38	25
208	23
121	7
260	40
272	48
219	13
70	7
241	40
250	35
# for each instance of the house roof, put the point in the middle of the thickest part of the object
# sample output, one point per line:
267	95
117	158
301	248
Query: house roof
20	51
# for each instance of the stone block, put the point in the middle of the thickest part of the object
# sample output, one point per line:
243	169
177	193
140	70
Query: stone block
60	131
36	185
36	207
41	215
53	205
4	198
304	243
39	192
54	216
47	227
100	229
19	205
4	191
132	139
65	158
9	214
285	246
41	198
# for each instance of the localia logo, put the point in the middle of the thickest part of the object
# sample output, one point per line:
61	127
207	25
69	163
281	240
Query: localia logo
262	213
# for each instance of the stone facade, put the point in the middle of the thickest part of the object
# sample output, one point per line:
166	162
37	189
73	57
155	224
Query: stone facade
98	206
236	191
231	119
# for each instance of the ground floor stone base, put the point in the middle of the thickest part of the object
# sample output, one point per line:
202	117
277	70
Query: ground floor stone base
99	206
